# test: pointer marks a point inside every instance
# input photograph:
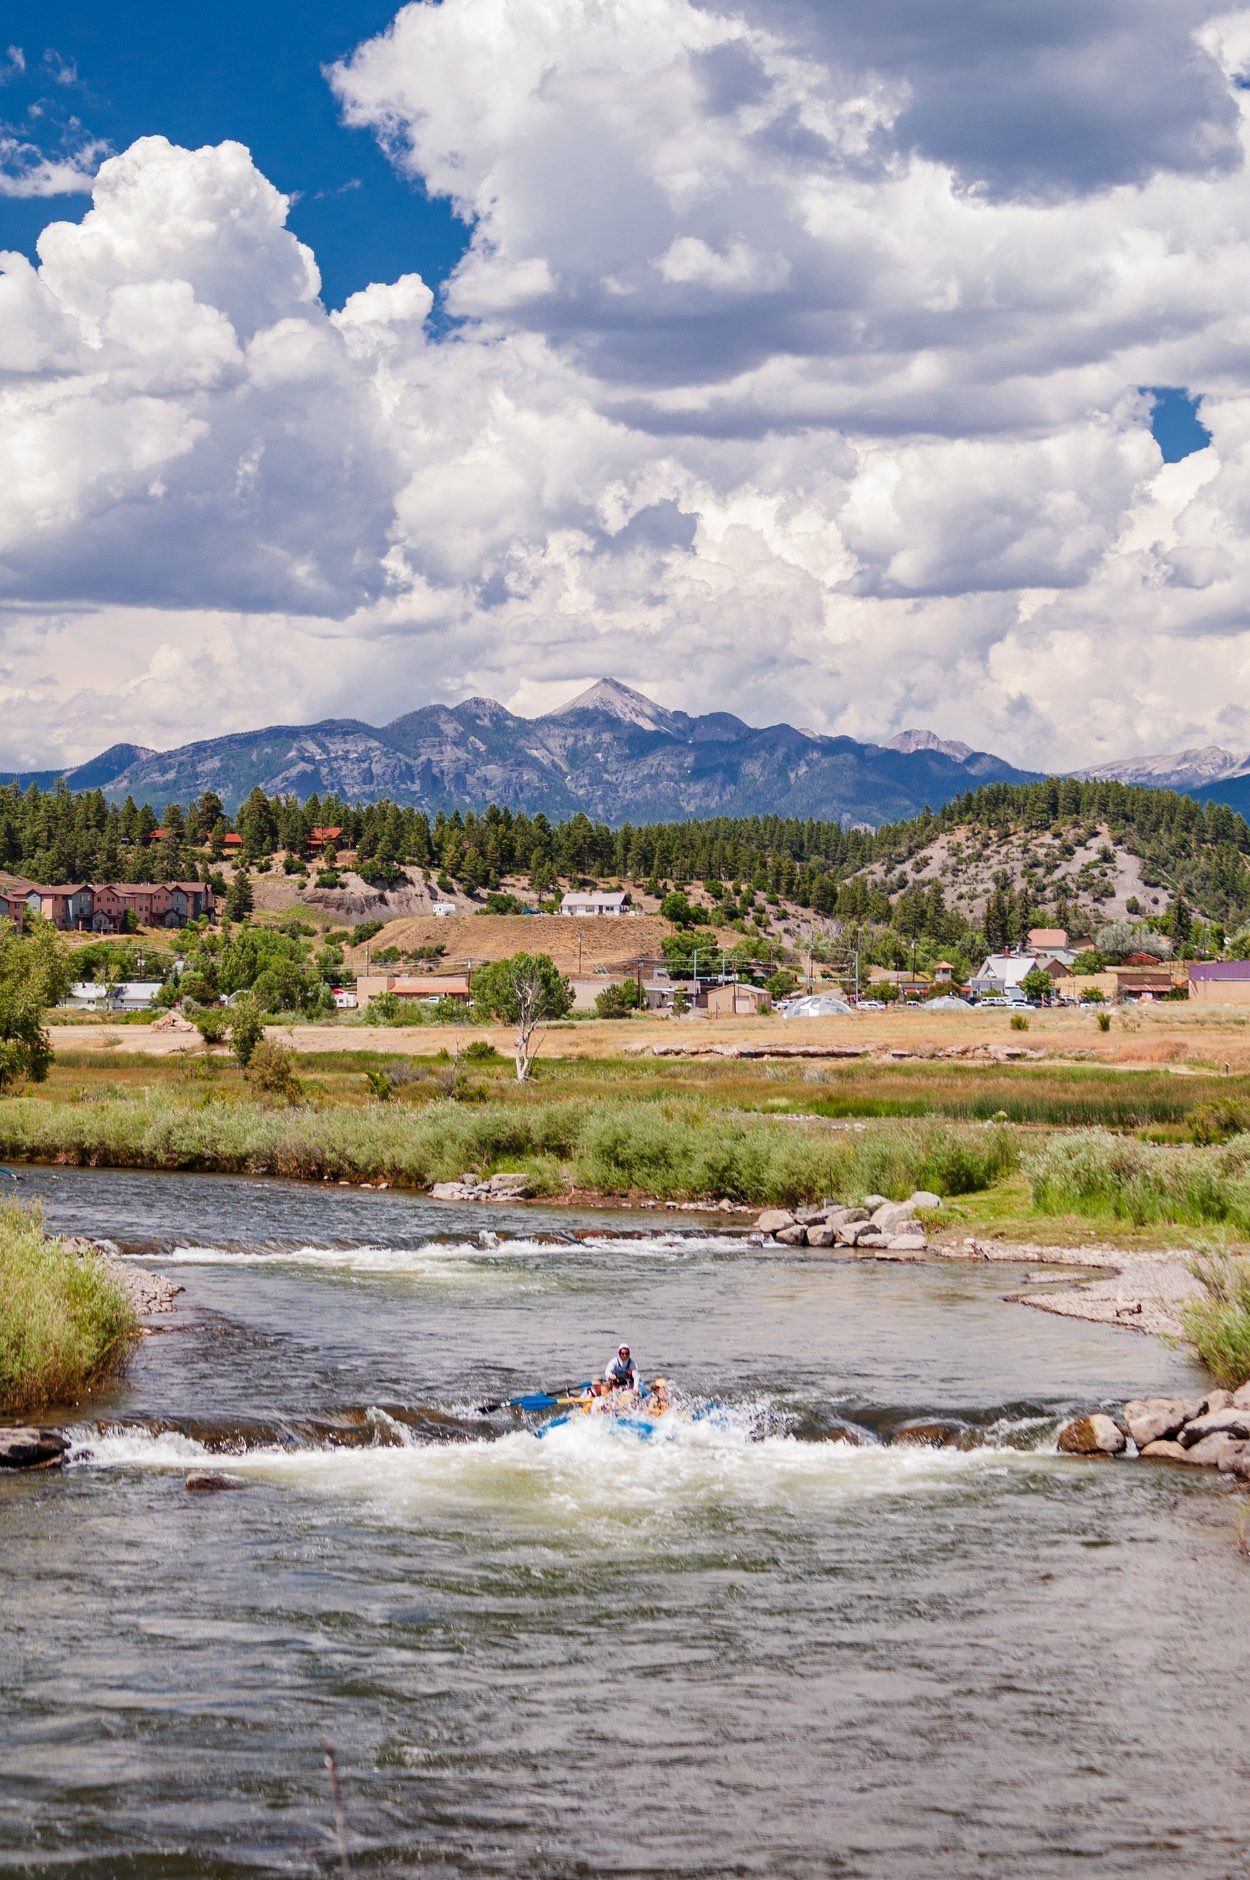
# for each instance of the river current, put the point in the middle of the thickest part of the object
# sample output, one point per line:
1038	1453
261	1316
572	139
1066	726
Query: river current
738	1649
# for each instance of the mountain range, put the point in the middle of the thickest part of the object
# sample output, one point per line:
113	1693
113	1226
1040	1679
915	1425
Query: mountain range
609	752
1208	772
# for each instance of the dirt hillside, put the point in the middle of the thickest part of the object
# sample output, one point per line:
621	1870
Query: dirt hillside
573	944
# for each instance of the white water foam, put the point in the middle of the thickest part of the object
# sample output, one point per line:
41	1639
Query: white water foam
450	1260
585	1472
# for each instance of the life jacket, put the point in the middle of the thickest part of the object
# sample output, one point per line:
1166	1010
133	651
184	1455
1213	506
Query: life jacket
623	1372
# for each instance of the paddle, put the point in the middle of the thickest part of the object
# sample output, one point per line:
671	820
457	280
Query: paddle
536	1399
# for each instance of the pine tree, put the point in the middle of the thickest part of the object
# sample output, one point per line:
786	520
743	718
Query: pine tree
239	897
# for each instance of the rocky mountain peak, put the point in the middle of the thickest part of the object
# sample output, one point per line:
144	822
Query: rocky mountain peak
609	698
919	740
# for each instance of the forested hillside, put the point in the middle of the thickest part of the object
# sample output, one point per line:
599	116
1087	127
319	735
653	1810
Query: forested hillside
1063	849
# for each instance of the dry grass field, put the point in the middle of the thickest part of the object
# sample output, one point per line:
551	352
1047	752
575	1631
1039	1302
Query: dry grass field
1178	1038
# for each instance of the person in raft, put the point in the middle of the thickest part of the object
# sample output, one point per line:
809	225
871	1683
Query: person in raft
622	1372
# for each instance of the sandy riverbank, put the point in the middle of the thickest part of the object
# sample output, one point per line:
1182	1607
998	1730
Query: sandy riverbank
1141	1291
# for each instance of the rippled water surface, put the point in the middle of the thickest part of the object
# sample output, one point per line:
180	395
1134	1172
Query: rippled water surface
732	1650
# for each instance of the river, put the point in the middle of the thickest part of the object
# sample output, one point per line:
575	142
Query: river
733	1650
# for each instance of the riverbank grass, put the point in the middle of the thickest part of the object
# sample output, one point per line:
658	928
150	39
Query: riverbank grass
1217	1323
65	1323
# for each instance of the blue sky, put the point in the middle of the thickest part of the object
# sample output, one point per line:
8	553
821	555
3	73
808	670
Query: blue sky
819	362
200	72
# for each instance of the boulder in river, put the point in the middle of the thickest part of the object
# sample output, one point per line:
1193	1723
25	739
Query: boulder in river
1094	1435
932	1432
211	1482
1157	1419
792	1236
1228	1422
1212	1451
772	1220
1164	1450
819	1235
29	1448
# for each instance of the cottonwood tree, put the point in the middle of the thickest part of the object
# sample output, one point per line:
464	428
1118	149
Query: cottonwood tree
35	973
526	991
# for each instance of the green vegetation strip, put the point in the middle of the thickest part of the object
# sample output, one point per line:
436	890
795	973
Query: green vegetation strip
677	1149
65	1323
1101	1176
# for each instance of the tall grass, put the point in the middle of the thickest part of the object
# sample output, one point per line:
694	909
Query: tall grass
1099	1175
1217	1324
64	1323
675	1149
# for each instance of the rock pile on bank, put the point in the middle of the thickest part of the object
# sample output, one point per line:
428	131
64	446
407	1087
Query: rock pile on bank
471	1187
1211	1432
149	1293
875	1228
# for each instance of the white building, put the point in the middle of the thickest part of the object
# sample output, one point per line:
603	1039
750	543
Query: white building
126	995
1003	974
586	905
443	909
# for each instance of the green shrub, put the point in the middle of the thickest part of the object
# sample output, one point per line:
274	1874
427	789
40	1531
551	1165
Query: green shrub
619	1001
1104	1021
481	1051
1217	1324
1218	1121
211	1021
64	1321
247	1028
1019	1022
271	1071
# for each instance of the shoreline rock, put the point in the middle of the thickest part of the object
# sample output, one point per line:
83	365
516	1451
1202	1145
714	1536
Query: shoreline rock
29	1446
876	1228
1212	1432
471	1187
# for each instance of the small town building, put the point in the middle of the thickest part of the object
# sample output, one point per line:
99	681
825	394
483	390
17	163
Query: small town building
585	906
443	909
735	999
1145	982
1047	940
943	973
319	836
1220	982
425	987
907	985
344	999
232	842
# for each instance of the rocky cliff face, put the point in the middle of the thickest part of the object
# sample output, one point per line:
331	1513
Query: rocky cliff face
610	752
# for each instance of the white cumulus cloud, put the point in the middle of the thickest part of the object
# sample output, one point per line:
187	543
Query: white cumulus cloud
794	366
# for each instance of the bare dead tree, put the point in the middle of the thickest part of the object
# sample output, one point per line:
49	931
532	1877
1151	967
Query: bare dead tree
532	1011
